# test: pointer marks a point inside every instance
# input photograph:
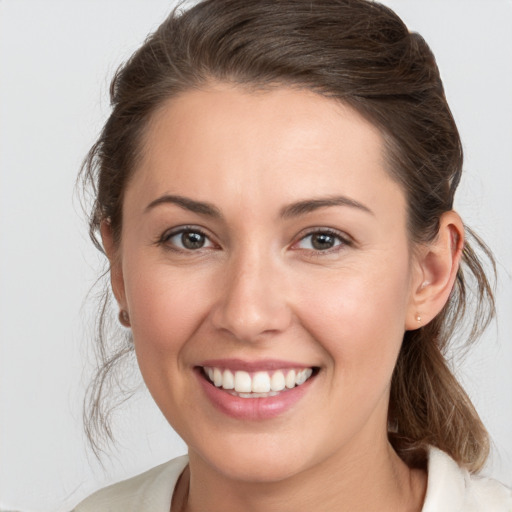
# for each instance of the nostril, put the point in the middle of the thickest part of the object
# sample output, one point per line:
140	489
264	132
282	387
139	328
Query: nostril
251	321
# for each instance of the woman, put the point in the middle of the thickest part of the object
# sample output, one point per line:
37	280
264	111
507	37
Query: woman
274	194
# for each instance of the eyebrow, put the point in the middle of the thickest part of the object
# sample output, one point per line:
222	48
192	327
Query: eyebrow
310	205
199	207
292	210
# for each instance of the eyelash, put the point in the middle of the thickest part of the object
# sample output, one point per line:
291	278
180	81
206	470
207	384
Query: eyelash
343	240
164	240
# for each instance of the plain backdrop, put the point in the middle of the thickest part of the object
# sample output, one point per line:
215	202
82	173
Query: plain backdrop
56	60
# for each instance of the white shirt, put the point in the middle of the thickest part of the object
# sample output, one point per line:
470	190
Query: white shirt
449	489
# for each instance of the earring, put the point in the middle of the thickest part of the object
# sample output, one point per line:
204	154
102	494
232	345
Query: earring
418	318
124	318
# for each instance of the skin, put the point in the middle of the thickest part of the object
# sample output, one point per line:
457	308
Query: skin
258	289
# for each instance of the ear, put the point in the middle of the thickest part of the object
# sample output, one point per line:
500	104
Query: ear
435	270
116	271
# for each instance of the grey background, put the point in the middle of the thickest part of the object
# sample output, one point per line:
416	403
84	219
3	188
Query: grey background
56	59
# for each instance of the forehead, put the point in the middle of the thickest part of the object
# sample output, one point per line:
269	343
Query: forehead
281	144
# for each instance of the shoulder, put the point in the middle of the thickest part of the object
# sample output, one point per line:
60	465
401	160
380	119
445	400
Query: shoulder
149	491
451	488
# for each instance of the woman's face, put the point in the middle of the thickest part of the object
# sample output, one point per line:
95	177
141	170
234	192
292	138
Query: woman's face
263	243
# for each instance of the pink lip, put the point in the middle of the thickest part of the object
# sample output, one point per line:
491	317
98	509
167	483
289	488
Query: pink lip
252	409
252	366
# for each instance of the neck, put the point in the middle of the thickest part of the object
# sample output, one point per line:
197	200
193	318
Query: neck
374	478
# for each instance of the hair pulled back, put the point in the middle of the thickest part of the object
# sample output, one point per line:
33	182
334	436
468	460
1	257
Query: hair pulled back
360	53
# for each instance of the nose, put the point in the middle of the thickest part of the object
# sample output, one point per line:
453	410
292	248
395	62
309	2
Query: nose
252	302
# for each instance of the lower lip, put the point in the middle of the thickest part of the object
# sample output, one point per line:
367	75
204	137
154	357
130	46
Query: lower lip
253	409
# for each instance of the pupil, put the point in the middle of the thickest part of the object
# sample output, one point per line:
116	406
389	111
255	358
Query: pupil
322	241
192	240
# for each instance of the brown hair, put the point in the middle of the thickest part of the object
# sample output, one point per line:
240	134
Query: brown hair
358	52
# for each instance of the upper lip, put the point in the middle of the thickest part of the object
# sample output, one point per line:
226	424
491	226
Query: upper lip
253	366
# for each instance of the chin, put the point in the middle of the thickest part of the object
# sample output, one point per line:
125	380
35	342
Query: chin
258	458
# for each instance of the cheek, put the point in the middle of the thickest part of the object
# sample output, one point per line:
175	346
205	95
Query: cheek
358	318
166	309
165	306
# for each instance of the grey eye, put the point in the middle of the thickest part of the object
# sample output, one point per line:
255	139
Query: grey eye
320	241
190	240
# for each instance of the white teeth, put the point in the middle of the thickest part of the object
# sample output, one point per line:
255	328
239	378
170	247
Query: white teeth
228	380
217	377
300	378
256	395
243	382
303	376
258	384
277	382
261	382
290	379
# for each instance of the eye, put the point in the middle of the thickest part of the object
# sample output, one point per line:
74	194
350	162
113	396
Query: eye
321	240
187	239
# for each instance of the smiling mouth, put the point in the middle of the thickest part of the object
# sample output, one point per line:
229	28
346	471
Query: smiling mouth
259	384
